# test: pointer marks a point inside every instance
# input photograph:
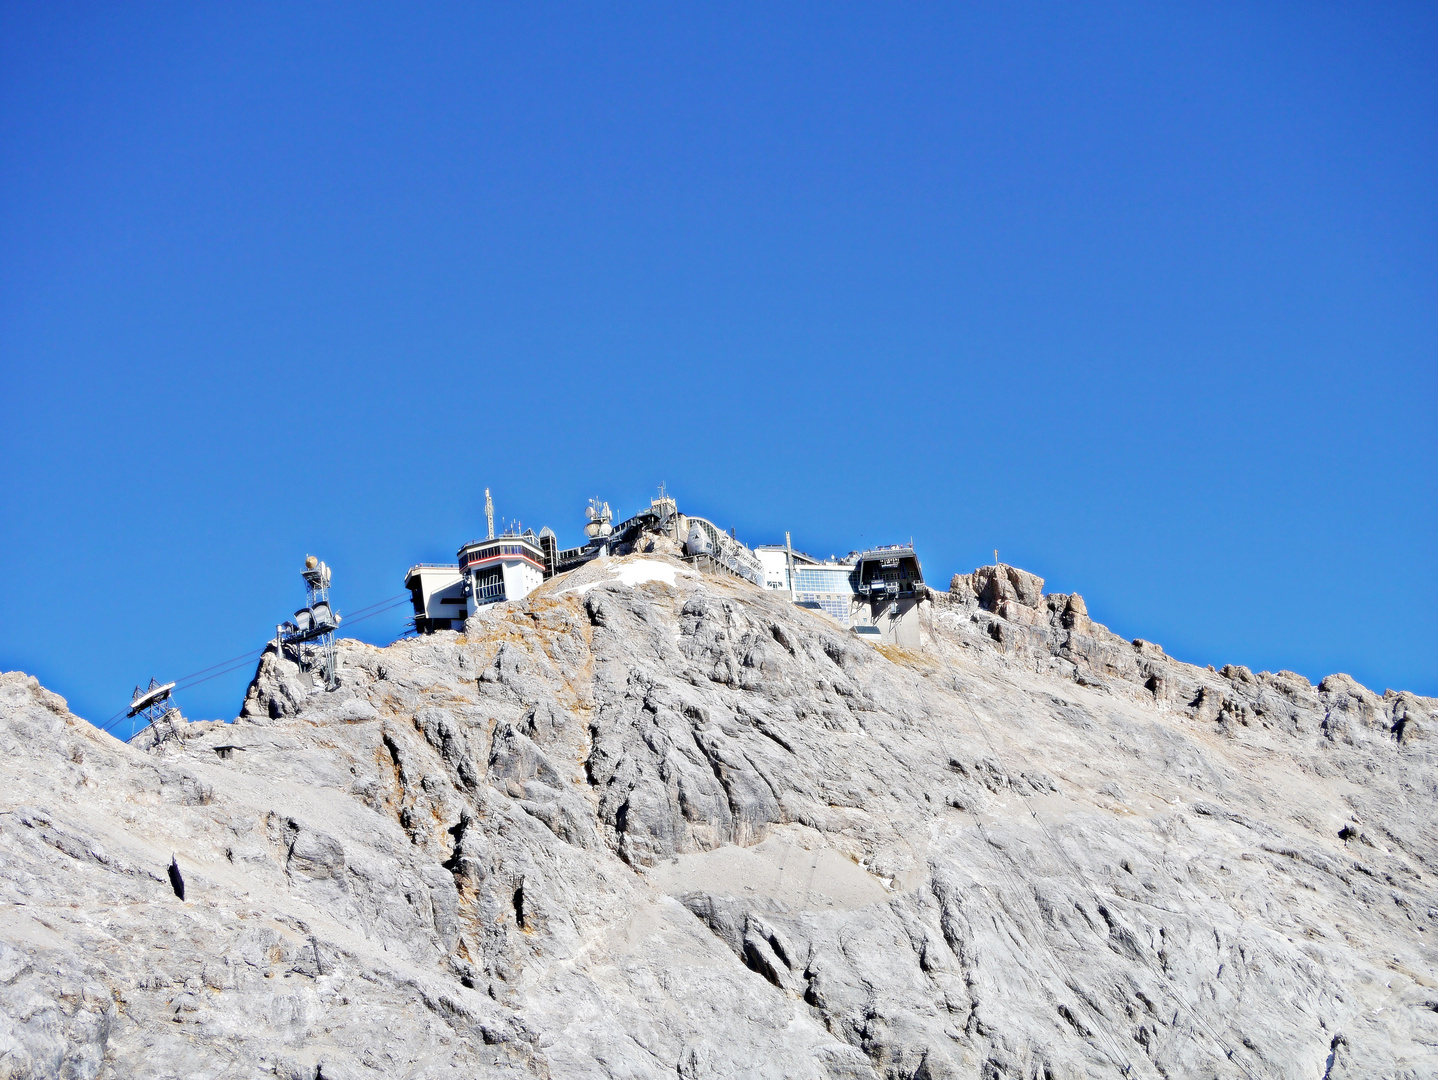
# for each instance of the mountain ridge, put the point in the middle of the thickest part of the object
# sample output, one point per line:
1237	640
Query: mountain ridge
630	827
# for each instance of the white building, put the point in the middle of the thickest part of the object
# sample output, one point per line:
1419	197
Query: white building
488	571
774	560
501	568
437	590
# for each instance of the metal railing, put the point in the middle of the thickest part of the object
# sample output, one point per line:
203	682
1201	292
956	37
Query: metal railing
489	592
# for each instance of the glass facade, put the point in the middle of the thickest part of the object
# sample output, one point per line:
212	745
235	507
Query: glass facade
823	579
488	589
835	604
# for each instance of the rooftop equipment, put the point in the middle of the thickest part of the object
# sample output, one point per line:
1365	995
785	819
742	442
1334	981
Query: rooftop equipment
599	516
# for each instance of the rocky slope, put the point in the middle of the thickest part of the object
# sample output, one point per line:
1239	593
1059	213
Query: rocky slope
653	824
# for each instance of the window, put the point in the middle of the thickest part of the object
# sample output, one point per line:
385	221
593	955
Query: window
835	604
823	579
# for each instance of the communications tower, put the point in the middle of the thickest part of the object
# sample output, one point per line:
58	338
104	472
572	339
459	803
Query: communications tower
310	638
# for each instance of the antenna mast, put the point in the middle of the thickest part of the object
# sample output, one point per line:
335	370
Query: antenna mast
489	513
313	626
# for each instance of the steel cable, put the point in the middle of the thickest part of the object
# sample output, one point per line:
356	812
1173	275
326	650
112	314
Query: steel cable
235	663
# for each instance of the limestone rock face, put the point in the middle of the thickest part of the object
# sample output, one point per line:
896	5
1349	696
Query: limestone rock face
649	823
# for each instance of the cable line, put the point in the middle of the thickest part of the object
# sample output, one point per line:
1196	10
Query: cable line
235	663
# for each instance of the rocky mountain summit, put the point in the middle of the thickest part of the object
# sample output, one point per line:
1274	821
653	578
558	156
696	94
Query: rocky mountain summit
650	823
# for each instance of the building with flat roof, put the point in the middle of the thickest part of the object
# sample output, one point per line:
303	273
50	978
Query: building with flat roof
488	571
437	591
774	563
502	568
829	587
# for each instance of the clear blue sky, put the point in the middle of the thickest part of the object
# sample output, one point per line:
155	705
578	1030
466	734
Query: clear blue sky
1146	297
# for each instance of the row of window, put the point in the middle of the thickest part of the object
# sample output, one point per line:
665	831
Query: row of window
823	580
494	553
832	604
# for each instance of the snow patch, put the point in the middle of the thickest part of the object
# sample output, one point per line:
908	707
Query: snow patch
635	573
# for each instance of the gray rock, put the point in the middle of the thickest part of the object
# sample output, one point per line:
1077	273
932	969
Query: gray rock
693	831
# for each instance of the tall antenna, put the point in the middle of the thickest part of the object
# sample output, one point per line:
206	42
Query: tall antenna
489	513
310	636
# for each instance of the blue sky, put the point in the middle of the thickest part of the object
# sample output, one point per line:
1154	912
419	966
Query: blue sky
1144	297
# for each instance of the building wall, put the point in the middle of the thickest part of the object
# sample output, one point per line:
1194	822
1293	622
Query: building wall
520	579
900	628
437	584
776	571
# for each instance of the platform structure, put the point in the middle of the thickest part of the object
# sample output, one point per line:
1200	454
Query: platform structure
890	584
717	551
309	638
156	704
440	595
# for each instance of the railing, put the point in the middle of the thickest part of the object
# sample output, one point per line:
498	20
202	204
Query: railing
887	549
490	592
506	538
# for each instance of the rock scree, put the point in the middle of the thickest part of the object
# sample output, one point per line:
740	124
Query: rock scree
662	824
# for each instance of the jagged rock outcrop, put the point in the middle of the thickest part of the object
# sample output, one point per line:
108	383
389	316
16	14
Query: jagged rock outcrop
678	827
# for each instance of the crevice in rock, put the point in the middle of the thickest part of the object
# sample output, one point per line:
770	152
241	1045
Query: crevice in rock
177	881
1338	1040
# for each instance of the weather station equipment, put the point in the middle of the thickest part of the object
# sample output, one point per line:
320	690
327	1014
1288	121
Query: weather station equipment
599	526
309	639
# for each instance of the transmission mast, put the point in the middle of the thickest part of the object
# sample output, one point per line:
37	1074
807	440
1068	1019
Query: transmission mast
489	513
310	637
155	705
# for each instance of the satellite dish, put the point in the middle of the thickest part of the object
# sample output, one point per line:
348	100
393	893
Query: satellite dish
311	562
599	516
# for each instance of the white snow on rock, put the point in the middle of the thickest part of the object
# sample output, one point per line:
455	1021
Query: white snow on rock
635	572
